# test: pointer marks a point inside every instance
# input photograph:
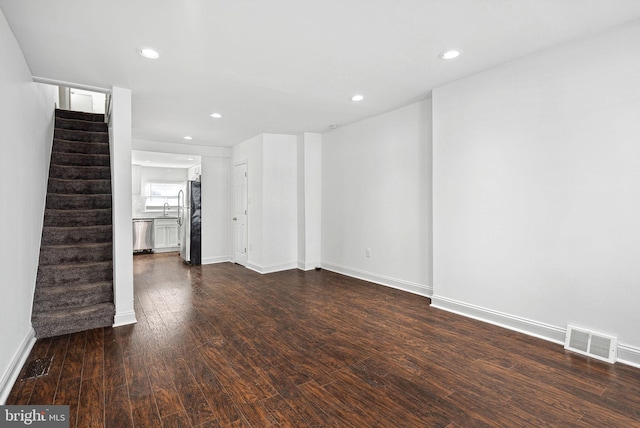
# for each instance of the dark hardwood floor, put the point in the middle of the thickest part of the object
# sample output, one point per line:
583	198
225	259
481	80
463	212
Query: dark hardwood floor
222	346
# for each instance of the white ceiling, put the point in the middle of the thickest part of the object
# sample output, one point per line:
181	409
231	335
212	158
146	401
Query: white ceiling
285	66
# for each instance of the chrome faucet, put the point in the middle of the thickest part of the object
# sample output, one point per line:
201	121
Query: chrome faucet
164	209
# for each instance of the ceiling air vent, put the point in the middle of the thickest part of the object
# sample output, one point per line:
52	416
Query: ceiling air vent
589	343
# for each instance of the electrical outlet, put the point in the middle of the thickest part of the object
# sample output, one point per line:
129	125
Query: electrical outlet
367	252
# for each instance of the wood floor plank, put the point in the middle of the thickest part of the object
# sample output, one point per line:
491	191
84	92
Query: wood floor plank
91	403
117	408
68	394
194	401
74	358
94	354
223	346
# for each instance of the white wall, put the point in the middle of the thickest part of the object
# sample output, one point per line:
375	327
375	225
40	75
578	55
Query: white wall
537	191
26	135
272	200
216	209
279	213
376	192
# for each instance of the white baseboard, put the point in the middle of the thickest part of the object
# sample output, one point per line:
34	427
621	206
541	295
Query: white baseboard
166	250
124	318
13	371
626	354
629	355
218	259
400	284
305	265
501	319
271	268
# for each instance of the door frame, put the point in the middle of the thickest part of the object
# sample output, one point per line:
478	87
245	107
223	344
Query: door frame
244	262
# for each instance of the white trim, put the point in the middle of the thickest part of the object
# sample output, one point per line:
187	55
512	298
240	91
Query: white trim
13	371
218	259
522	325
56	82
124	318
629	355
302	265
271	269
400	284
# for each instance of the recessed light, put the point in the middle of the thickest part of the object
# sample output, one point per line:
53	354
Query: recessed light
216	115
357	98
187	137
450	54
149	53
333	126
190	159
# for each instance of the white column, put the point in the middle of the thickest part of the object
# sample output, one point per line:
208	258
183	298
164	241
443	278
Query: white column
309	200
120	133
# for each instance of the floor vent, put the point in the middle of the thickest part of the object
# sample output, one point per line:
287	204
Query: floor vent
37	368
596	345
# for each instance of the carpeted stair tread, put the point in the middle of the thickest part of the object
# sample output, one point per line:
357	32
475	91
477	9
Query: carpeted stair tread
93	187
79	159
78	273
56	323
77	253
59	235
80	115
80	125
66	146
65	201
77	218
70	296
85	136
80	172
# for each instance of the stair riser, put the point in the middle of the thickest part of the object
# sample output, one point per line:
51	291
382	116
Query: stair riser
89	137
69	114
80	147
76	218
80	172
49	276
70	236
71	298
56	255
78	202
86	187
80	125
49	326
76	159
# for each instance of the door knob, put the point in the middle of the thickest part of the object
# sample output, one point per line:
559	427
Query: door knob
235	218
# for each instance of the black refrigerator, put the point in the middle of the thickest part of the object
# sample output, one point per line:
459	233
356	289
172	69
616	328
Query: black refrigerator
189	223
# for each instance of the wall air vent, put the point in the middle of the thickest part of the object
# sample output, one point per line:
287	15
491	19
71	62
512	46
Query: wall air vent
591	344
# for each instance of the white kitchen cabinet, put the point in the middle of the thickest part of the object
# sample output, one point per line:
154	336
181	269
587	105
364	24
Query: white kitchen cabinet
165	234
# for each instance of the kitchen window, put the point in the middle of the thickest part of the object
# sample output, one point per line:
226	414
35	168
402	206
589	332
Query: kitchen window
157	194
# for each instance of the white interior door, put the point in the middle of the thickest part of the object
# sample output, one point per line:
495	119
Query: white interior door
240	226
81	102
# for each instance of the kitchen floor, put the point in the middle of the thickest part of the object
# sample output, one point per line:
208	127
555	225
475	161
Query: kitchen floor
220	346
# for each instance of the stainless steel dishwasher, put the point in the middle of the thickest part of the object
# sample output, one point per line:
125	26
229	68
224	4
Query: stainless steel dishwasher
143	235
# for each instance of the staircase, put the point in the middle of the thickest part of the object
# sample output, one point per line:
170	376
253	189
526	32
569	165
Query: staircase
74	284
